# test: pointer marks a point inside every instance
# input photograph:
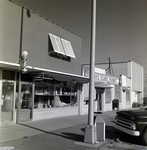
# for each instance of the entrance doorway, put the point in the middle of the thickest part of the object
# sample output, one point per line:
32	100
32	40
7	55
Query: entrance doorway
99	98
26	102
99	101
8	101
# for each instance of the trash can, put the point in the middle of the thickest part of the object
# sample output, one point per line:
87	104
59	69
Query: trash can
115	104
100	126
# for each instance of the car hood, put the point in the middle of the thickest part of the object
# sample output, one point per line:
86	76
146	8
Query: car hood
141	112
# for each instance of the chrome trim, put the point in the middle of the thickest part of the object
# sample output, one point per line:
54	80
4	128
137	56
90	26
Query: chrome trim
124	122
130	132
124	119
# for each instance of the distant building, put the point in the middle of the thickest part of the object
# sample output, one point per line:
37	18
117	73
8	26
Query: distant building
125	85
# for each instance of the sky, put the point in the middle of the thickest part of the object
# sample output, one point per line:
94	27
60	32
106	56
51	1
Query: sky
121	26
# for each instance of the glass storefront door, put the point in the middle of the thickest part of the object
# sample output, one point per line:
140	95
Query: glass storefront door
7	103
26	101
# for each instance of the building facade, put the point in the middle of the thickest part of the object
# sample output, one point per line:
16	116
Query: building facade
52	84
118	90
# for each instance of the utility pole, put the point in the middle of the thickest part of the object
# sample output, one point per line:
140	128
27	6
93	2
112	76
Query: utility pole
110	69
90	130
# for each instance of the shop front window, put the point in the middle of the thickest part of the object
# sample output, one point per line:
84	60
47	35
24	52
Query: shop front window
52	94
107	96
26	101
26	96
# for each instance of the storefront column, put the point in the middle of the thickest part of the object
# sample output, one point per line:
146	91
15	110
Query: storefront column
33	95
121	106
0	73
123	98
0	93
112	94
140	96
131	96
19	98
103	101
80	98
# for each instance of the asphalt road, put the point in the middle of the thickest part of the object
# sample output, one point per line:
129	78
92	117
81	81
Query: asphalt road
49	135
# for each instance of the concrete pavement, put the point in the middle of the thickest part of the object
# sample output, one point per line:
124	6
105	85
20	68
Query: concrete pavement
66	133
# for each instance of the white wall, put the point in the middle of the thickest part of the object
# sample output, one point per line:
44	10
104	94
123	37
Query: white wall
54	112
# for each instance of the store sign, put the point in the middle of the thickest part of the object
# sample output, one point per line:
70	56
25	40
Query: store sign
103	78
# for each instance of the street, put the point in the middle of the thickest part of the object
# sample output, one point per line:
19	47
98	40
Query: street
65	133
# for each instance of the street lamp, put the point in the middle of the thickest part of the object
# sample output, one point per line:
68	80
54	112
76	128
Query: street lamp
90	130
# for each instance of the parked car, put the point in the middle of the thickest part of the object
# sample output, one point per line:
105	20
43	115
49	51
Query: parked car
133	122
142	102
137	104
145	101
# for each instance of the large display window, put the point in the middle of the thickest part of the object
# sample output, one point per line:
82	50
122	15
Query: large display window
52	94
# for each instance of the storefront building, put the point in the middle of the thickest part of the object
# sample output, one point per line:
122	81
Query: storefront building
123	87
52	85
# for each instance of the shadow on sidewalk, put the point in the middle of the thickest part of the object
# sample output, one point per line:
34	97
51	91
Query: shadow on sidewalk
68	135
73	136
76	133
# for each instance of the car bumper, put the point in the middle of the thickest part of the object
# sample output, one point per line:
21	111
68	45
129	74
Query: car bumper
130	132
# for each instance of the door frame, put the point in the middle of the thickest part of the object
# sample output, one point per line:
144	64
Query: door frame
28	83
13	110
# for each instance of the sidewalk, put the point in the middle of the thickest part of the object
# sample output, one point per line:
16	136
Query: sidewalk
67	127
18	131
64	133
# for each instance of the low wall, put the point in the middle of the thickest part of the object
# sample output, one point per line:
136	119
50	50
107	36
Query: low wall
128	105
85	110
47	113
120	106
108	107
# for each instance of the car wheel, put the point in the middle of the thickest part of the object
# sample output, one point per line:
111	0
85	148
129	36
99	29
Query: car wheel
144	136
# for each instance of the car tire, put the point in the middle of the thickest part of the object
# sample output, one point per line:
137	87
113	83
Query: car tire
144	137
